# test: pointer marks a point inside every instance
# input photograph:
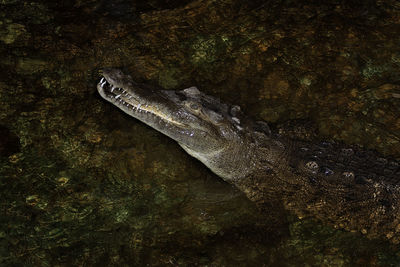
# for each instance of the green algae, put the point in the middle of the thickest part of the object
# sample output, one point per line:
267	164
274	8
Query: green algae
6	2
11	32
316	245
204	50
37	13
169	78
31	65
371	70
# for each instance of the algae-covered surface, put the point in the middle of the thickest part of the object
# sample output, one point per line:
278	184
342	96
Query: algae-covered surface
83	184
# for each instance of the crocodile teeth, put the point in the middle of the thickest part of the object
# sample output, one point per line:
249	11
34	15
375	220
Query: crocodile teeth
102	79
117	96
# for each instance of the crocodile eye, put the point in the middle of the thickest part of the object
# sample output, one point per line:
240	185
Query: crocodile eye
194	106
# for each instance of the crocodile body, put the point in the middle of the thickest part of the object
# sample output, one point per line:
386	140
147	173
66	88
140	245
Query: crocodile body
347	187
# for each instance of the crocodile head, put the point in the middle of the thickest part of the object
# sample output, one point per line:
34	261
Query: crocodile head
205	128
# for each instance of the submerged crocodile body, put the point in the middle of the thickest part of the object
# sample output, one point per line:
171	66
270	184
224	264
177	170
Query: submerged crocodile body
347	187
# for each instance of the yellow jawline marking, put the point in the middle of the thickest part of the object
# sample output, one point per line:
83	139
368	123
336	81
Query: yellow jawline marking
154	111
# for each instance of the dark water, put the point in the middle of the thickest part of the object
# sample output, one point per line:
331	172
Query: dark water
83	184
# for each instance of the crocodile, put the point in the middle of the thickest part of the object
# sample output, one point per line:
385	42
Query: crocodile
345	186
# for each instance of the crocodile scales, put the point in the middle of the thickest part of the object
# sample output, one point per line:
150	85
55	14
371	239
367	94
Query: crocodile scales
344	186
